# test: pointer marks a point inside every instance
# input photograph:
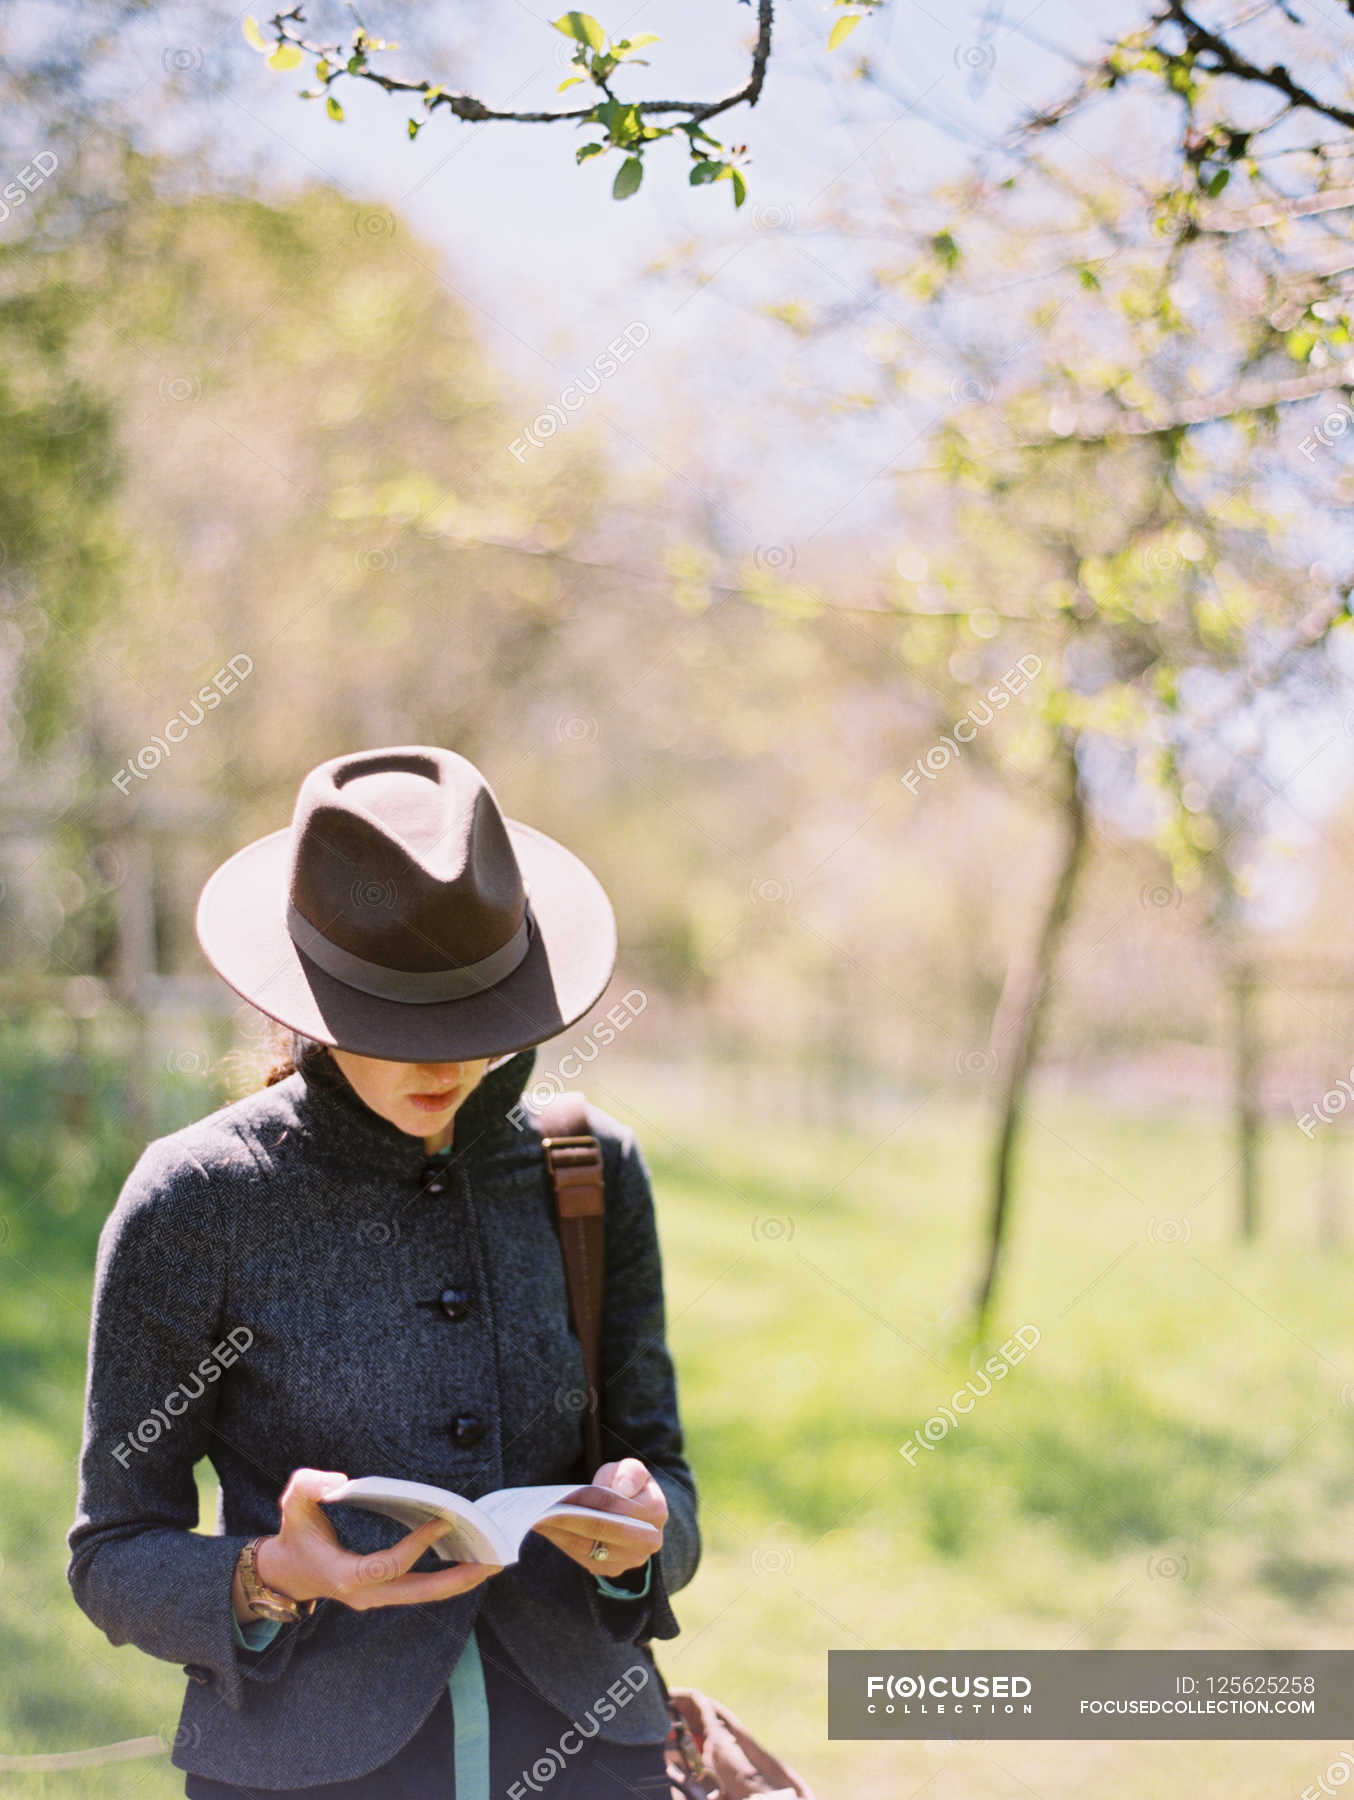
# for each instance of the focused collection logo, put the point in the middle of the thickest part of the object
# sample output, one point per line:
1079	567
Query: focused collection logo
926	1693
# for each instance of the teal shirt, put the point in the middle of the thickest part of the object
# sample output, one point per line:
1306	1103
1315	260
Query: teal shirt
469	1702
470	1705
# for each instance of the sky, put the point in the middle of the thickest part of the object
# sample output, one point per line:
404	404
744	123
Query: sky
552	269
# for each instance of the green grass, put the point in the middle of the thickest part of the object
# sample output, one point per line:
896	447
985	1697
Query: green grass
1171	1464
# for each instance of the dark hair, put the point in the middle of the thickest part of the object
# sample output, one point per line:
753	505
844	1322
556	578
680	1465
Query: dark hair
286	1050
273	1052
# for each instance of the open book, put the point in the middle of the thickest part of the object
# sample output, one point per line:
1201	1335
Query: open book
490	1529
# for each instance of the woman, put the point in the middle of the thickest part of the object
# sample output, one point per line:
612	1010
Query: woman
355	1271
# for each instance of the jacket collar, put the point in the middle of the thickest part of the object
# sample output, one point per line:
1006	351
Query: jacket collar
327	1103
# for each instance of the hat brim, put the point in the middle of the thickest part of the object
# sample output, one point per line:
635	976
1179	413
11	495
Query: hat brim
242	929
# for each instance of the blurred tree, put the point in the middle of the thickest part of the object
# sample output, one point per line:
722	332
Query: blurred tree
1254	95
1114	472
350	527
308	500
61	554
216	519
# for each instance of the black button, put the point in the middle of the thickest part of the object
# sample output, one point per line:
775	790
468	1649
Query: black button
455	1303
434	1178
466	1429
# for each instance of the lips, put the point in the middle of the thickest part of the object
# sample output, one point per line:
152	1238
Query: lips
435	1102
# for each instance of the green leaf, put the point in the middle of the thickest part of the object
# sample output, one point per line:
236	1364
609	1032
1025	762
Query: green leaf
573	81
322	70
286	56
740	187
628	178
1214	186
334	109
946	248
584	151
252	35
626	45
620	119
843	29
582	27
415	126
704	171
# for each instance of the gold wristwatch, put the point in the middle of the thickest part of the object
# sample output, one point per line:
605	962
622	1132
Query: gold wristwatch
265	1602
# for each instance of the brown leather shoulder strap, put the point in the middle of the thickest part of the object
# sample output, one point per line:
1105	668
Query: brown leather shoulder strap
578	1189
574	1160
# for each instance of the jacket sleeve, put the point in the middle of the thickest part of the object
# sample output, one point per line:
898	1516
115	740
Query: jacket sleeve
160	1343
629	1593
639	1389
256	1635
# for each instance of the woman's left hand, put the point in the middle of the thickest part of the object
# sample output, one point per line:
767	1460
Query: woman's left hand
638	1496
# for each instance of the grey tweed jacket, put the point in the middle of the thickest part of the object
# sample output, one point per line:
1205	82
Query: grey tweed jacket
285	1283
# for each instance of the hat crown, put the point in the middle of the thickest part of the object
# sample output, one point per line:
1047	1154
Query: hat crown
401	857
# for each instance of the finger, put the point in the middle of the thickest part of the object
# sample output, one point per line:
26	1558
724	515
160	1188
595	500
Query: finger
315	1483
302	1495
616	1562
413	1590
376	1566
407	1552
650	1505
629	1476
631	1536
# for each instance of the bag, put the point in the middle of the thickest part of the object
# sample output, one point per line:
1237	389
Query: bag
710	1753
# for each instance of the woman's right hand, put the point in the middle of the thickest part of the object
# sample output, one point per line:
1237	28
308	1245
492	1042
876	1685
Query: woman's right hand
305	1559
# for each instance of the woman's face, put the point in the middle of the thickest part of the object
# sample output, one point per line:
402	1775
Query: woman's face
420	1097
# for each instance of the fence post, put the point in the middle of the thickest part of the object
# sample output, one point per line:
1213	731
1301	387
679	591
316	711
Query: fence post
1247	1111
136	975
1330	1198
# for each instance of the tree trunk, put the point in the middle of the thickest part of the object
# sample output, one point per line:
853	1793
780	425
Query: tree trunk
1016	1028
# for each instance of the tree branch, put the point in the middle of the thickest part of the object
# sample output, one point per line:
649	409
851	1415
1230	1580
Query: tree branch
466	106
1199	39
1207	412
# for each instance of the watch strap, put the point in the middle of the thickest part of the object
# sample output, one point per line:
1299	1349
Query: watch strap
262	1600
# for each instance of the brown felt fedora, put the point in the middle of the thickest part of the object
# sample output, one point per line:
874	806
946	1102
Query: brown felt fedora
400	915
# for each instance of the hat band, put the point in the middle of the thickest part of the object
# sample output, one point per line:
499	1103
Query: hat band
415	987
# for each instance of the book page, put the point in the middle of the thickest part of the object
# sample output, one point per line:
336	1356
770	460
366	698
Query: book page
488	1530
409	1503
513	1511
